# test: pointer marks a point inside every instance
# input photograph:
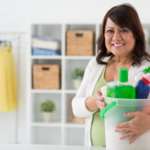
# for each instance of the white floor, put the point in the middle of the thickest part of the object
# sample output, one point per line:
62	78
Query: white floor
44	147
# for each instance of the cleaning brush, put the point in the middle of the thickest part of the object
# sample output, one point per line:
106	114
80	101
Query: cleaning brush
143	87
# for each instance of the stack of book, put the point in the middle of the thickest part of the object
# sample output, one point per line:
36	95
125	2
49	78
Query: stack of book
45	46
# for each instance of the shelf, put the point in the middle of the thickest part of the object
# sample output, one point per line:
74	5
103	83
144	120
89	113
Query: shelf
74	136
70	91
74	125
50	124
61	57
70	66
64	128
46	57
46	135
40	91
78	57
45	124
37	100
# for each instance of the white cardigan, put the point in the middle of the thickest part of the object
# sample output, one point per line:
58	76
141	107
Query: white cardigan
91	75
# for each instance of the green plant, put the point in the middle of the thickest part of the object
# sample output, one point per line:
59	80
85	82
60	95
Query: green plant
77	73
47	106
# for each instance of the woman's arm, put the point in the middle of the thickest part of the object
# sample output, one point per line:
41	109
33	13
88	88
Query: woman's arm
83	105
79	106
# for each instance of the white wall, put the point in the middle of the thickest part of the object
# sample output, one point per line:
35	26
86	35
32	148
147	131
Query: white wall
17	15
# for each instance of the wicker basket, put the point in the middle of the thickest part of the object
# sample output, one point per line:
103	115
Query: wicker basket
80	43
46	76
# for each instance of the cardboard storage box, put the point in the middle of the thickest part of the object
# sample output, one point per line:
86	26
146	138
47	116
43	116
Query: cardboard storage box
46	76
80	42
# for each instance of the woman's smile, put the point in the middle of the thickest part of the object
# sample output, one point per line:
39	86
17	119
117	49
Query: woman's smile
117	45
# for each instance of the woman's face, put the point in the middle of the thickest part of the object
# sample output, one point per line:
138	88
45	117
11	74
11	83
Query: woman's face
119	41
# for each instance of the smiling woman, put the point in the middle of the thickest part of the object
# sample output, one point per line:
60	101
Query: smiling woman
121	43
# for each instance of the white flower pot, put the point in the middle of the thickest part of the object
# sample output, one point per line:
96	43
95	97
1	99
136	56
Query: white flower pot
46	116
76	83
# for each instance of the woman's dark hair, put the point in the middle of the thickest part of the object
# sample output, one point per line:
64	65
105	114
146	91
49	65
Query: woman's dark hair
124	15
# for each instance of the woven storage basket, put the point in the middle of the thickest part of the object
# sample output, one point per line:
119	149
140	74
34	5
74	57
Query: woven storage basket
80	43
46	76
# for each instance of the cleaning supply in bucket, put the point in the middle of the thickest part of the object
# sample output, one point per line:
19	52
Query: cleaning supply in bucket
122	89
143	85
146	70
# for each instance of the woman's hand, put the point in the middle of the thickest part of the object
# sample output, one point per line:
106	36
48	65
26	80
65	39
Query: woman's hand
94	103
138	125
100	100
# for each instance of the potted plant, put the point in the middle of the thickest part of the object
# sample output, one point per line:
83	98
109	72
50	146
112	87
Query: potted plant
47	107
77	75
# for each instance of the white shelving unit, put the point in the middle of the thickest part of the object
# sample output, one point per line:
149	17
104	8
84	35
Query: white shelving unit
61	130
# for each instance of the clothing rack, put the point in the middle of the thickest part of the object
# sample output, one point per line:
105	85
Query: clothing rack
5	43
12	41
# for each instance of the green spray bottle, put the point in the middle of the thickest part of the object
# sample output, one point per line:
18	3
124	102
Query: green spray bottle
124	89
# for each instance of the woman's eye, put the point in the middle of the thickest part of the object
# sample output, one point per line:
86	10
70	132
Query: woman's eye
125	30
109	31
